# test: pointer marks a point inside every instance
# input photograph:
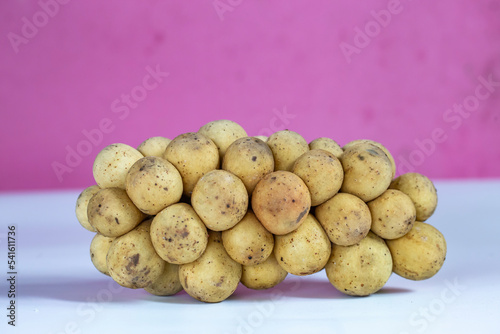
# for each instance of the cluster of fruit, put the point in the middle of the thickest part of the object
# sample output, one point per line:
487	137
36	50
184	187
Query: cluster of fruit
213	208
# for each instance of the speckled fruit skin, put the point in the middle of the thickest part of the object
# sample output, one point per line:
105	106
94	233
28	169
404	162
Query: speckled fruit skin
82	204
304	251
194	155
264	275
248	242
154	146
153	183
322	173
111	165
214	276
168	283
345	218
360	269
99	248
281	202
421	191
112	213
250	159
380	146
286	146
220	199
367	171
420	254
223	132
393	214
178	234
327	144
132	261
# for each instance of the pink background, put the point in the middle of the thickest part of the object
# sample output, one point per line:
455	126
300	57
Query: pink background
253	61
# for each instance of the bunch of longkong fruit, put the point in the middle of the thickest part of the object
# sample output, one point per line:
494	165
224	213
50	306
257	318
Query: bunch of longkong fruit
210	209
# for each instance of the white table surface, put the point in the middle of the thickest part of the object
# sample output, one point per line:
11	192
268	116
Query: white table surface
59	290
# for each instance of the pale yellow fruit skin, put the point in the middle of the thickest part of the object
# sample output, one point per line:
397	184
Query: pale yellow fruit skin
286	146
360	269
379	145
99	248
223	132
153	183
132	261
250	159
214	276
82	204
263	138
304	251
345	218
112	213
393	214
322	173
178	234
248	242
220	199
264	275
421	191
367	171
194	155
154	146
111	165
168	283
420	254
327	144
281	202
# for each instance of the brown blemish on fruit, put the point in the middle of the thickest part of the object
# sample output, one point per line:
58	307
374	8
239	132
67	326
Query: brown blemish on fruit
218	284
302	214
184	233
133	261
409	221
